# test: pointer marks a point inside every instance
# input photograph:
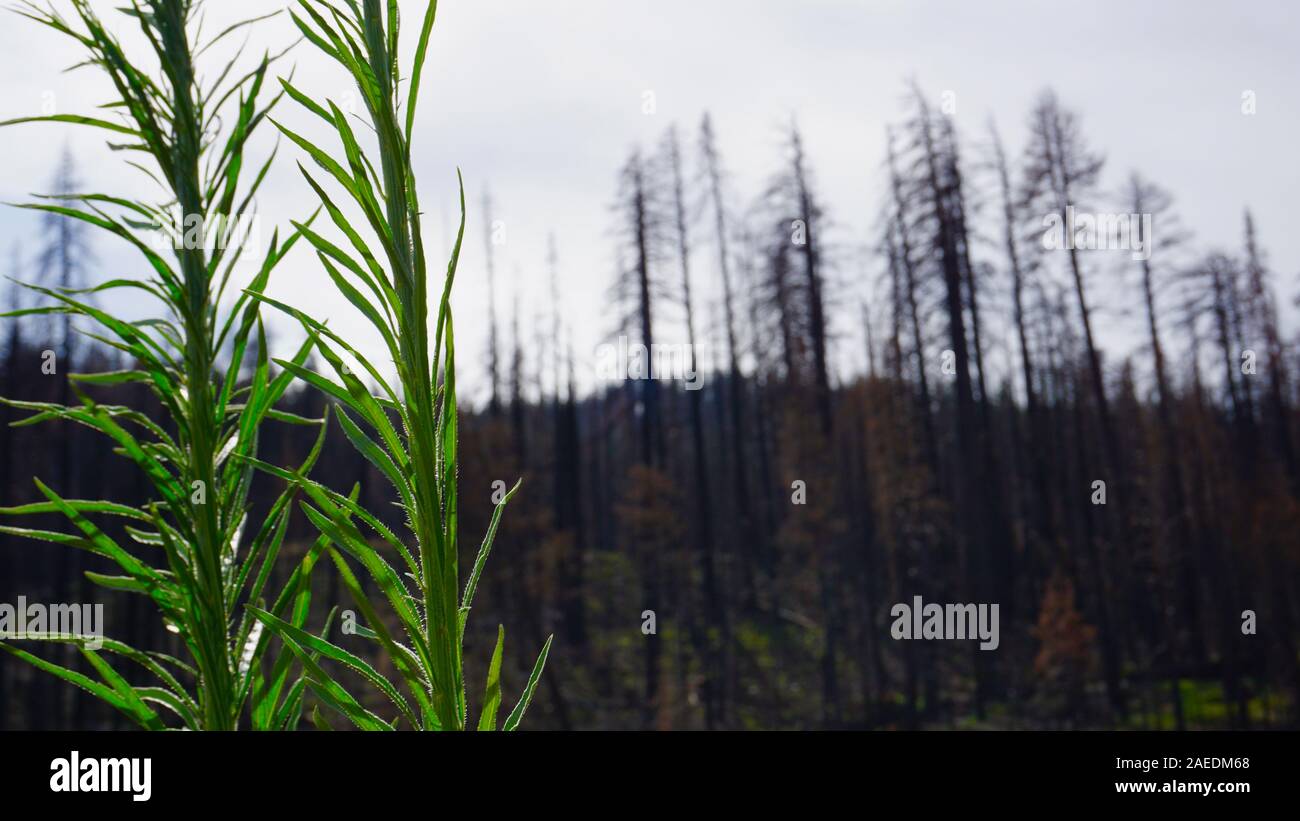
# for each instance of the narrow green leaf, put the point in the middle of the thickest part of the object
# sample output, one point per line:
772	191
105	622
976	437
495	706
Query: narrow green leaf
517	714
492	697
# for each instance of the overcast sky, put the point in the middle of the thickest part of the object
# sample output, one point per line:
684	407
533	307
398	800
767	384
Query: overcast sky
542	101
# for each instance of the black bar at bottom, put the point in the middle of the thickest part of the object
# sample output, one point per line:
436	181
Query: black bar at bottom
218	772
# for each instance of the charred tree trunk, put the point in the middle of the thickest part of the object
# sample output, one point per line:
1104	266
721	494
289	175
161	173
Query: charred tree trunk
735	380
494	355
813	274
1038	501
900	246
704	518
969	487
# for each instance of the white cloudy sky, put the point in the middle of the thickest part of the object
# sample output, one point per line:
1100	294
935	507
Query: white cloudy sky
542	101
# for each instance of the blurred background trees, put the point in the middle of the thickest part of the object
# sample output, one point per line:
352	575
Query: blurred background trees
770	519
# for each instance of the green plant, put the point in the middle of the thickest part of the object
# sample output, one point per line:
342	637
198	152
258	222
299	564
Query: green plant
420	461
196	459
